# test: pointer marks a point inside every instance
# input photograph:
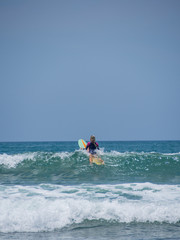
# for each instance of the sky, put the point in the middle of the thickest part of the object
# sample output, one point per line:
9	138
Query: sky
72	68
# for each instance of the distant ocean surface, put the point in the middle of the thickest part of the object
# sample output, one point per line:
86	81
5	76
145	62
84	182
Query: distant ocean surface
48	190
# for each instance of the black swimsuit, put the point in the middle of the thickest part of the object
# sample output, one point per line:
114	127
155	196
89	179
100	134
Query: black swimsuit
92	147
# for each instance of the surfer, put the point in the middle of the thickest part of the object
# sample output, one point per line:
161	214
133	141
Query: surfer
91	148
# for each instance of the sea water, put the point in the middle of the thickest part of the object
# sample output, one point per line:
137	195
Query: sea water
48	190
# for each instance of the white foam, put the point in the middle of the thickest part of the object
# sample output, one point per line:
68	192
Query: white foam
63	155
11	161
116	153
49	207
172	154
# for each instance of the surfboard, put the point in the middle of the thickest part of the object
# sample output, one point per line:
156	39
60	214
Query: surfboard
82	143
97	160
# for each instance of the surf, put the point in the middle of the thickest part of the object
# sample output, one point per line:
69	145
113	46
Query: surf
48	207
74	167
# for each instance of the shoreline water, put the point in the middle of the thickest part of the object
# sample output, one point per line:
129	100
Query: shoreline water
145	231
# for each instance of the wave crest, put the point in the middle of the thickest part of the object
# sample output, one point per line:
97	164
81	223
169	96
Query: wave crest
74	167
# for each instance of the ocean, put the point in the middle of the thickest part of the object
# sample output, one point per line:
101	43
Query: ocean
48	190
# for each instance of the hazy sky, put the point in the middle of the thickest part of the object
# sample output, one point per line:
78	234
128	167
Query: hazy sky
72	68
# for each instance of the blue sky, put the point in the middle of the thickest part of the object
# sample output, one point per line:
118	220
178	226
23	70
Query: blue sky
69	69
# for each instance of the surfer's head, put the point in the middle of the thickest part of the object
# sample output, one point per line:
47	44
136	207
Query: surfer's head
92	139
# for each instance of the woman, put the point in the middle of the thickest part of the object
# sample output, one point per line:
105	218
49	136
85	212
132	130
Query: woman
91	148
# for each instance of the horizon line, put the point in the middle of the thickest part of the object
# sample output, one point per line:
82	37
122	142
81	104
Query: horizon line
26	141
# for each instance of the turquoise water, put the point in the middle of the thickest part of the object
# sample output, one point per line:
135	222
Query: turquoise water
49	190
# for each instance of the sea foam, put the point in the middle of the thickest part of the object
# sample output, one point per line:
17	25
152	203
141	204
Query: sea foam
12	161
47	207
